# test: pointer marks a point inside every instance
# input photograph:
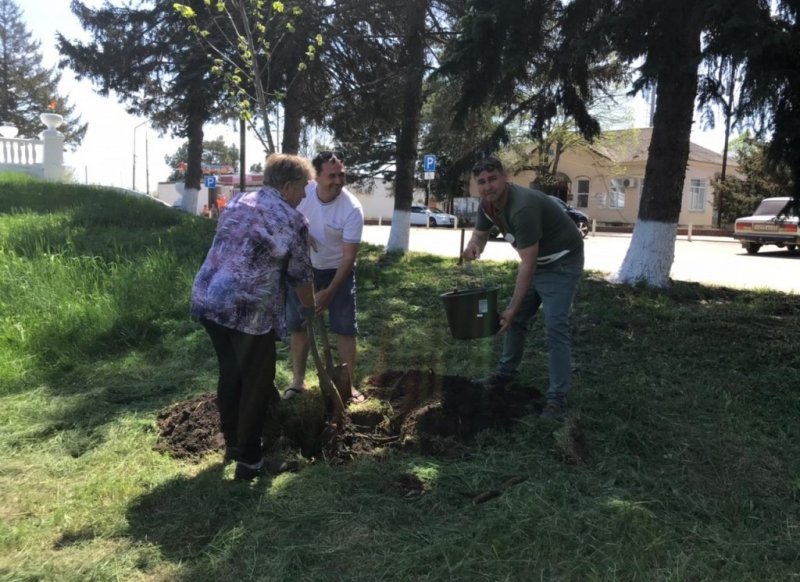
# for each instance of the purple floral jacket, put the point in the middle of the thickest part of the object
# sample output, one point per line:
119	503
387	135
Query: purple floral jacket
260	247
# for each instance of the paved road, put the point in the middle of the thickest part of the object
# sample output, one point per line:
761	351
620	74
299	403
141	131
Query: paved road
707	260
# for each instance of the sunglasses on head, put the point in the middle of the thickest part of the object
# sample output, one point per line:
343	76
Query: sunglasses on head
327	156
487	165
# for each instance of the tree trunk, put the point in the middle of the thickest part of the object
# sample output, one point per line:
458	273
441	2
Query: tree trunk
194	170
557	157
413	61
293	115
728	117
652	249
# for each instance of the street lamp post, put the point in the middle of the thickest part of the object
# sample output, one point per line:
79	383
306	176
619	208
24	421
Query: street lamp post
133	180
146	164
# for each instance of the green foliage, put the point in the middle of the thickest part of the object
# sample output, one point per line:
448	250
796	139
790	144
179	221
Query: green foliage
361	82
771	85
455	148
140	52
686	399
27	88
762	179
517	56
215	152
718	88
255	53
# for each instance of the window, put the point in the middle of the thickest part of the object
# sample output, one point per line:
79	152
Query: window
616	199
697	196
616	194
583	193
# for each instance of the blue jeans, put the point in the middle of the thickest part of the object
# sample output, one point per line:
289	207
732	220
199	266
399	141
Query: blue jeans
553	287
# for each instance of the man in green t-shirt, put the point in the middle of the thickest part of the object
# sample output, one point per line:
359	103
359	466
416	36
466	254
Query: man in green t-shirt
551	254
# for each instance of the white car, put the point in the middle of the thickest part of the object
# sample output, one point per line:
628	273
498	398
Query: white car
424	216
773	223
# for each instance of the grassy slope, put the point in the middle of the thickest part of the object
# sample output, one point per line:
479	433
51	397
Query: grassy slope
688	401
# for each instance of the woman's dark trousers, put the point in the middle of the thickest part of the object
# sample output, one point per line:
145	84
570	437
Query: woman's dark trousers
246	387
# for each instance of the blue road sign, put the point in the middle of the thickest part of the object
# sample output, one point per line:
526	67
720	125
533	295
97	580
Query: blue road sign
429	163
211	181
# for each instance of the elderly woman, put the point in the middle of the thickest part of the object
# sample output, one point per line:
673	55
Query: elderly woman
260	246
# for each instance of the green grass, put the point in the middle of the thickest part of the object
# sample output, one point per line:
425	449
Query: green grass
688	401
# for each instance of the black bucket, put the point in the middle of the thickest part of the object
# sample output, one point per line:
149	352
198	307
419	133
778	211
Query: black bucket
472	313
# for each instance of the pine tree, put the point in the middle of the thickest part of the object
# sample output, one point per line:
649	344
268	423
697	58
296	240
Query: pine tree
143	54
27	88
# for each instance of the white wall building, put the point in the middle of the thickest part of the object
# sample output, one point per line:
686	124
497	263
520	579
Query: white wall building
376	197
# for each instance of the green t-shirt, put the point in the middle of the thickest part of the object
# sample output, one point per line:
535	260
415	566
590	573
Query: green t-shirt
531	217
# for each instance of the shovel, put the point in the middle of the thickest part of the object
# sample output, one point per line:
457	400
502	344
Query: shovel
329	391
340	375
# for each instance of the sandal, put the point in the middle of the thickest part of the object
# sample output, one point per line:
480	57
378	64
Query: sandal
357	397
291	392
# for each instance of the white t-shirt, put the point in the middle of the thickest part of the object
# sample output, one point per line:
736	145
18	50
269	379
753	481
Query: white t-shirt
331	224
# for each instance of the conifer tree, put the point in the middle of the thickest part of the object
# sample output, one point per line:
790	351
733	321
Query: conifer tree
142	53
27	87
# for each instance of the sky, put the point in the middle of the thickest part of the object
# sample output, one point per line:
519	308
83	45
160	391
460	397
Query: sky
106	155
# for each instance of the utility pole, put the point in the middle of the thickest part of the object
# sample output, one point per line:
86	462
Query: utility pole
133	180
146	163
242	170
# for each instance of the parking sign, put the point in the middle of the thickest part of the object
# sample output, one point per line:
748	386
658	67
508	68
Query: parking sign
211	181
429	163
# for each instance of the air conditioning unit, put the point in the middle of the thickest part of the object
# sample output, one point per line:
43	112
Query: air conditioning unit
630	182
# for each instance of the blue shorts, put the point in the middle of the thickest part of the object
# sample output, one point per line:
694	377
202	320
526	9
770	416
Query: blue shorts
342	308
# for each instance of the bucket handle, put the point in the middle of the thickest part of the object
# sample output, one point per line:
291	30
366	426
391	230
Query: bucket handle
469	269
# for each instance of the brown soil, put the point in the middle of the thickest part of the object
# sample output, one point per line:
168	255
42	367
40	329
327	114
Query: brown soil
190	429
427	413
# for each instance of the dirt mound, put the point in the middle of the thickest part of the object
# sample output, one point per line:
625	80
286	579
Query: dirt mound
190	429
438	414
421	411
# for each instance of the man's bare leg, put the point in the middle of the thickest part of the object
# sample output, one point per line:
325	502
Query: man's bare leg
299	348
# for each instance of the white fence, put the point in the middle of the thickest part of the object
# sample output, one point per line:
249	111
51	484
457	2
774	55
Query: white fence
22	155
41	157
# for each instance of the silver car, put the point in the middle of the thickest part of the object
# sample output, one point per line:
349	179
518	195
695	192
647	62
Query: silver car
772	223
424	216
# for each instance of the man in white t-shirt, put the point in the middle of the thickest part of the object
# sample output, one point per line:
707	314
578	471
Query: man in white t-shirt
336	222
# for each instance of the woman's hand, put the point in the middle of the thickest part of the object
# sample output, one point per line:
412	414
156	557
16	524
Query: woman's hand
307	313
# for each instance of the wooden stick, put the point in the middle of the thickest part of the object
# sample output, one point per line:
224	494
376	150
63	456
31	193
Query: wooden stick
325	382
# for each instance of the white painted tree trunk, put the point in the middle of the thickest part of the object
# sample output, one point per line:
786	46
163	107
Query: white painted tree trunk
399	233
650	255
675	48
189	201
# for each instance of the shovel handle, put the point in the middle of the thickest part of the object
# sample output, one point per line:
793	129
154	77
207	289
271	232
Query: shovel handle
326	384
326	344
